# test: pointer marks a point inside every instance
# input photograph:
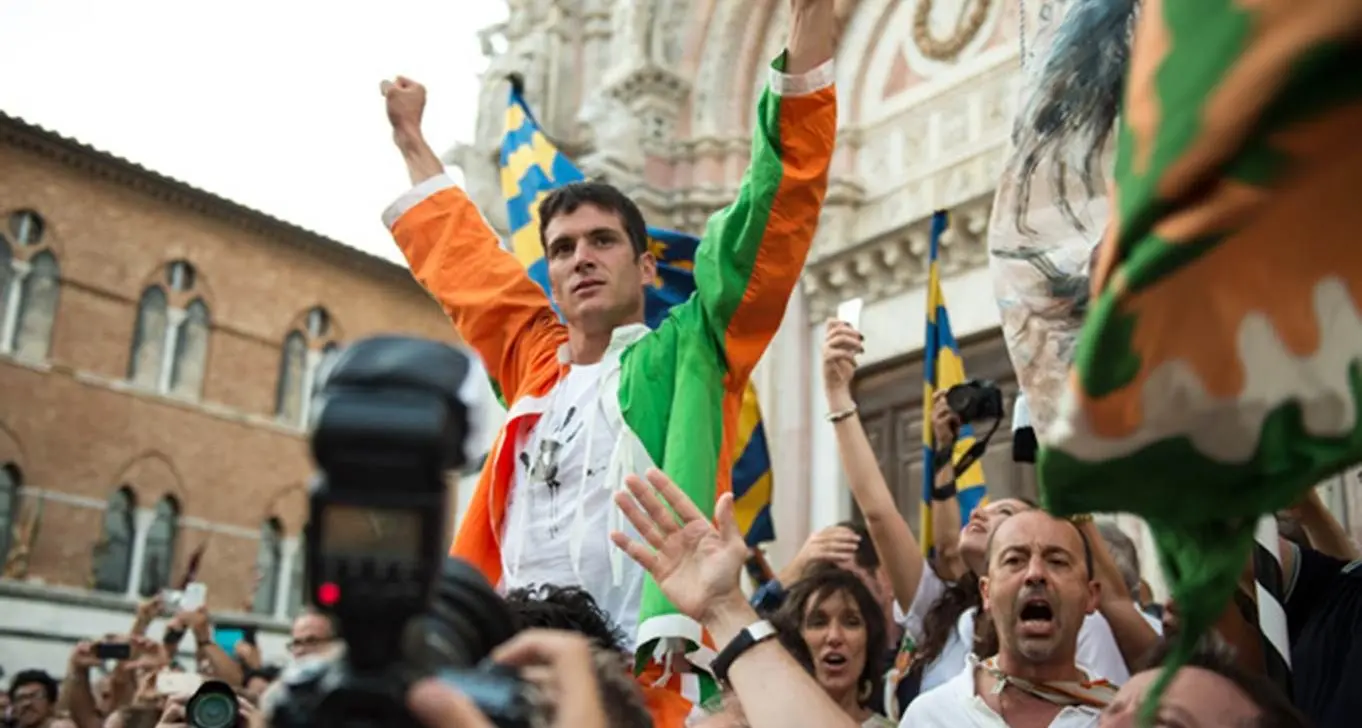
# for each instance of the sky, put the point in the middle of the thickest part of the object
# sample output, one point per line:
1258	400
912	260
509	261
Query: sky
271	103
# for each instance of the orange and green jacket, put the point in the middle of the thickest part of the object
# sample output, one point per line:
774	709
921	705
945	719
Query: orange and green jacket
678	387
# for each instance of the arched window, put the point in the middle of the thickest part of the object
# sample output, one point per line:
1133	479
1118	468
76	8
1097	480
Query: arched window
9	509
149	339
27	227
7	279
113	555
297	591
305	360
170	345
268	562
191	351
158	555
28	288
292	371
37	307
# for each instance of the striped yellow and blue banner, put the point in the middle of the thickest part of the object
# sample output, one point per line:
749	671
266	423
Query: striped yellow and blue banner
531	167
943	368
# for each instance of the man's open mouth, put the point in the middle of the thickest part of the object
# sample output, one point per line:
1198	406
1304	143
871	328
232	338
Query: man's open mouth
1036	616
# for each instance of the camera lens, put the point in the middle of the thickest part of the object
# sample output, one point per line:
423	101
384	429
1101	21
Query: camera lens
467	619
212	710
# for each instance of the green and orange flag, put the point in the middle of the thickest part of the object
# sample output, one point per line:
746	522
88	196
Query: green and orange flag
1218	375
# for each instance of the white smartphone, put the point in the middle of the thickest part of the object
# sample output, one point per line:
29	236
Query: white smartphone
170	682
195	596
850	312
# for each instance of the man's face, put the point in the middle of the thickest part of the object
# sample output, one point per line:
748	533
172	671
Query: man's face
1195	697
311	634
596	278
31	706
1038	590
982	521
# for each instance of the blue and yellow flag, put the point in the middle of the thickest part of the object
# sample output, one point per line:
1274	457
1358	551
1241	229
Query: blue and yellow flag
943	368
531	167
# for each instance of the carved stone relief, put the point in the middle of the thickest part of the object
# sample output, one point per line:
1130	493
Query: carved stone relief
895	262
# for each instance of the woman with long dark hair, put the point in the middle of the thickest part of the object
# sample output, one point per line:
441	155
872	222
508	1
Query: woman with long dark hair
832	624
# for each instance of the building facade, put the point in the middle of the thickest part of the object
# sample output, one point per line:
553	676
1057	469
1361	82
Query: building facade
657	97
157	348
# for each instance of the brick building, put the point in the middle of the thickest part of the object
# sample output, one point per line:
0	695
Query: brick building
156	346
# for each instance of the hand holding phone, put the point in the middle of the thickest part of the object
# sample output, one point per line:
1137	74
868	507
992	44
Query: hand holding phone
850	312
195	596
113	651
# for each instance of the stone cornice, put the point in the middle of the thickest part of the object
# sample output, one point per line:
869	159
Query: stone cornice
897	262
99	164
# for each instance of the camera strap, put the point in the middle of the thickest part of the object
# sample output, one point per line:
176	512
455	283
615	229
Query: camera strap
976	450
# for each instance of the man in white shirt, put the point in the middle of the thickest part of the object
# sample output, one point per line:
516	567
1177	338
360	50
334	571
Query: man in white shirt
1038	591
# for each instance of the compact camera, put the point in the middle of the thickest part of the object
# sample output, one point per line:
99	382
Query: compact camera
391	422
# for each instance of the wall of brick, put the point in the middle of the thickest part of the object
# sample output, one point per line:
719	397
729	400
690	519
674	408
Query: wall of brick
74	426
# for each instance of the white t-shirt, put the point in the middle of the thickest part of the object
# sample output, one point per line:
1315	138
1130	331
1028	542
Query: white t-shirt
955	705
562	494
1097	653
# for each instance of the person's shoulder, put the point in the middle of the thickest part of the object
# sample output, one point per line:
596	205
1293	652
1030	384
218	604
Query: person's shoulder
943	704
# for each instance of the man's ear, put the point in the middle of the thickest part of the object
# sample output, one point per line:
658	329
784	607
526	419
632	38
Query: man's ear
983	593
1094	596
647	265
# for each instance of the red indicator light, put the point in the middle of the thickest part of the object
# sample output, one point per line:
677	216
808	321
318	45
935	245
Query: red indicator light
328	594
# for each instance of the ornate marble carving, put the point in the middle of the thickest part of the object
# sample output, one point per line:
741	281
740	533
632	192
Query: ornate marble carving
893	263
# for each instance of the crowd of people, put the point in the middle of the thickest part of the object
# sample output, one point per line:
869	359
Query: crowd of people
605	520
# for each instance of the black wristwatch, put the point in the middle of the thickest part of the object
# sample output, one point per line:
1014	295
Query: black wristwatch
751	636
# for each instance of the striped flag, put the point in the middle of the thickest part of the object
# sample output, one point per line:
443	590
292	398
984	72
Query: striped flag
942	369
531	167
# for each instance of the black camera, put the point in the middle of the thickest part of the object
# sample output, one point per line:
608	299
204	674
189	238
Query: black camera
213	705
975	400
391	423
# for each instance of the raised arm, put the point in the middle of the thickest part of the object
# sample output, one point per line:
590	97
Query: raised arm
753	251
496	308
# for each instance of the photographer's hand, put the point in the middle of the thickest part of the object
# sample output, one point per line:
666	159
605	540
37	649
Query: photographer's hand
560	665
437	705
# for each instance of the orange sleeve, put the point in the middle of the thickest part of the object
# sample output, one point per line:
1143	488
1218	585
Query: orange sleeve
496	308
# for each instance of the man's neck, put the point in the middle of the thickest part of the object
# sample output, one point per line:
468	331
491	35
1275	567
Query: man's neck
587	348
587	344
1059	669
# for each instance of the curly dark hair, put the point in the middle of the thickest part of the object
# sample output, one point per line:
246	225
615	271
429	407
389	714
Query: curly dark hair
820	581
567	608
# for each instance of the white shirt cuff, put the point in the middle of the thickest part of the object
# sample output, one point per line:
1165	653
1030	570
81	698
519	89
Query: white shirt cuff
813	81
414	196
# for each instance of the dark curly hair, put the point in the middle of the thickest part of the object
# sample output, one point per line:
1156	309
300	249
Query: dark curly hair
567	608
821	580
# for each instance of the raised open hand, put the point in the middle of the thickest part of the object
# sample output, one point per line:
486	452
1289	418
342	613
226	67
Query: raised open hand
694	563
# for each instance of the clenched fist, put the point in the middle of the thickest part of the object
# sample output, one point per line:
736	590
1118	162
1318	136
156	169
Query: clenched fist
406	102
